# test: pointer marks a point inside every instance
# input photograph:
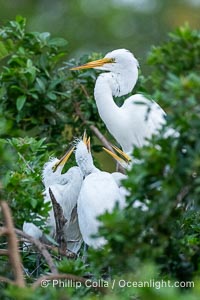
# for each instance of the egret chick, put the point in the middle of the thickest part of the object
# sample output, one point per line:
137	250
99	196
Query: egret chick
66	188
99	193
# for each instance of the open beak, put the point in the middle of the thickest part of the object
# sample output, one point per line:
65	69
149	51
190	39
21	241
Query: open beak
86	141
123	156
63	159
94	64
88	144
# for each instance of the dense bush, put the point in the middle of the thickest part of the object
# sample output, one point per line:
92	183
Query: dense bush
40	98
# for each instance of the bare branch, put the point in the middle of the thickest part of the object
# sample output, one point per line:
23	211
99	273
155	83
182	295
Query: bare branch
101	137
7	280
94	129
84	91
67	253
56	250
13	253
26	163
42	249
98	134
4	252
3	230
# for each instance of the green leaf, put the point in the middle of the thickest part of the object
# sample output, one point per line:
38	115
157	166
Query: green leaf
41	84
51	96
20	102
58	42
3	50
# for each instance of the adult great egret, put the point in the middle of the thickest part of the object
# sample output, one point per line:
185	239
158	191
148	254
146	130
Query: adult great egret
138	118
99	193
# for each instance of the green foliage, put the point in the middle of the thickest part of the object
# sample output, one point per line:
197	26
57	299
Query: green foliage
23	184
178	56
40	98
31	94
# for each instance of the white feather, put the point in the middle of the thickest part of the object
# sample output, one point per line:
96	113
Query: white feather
99	193
66	195
130	124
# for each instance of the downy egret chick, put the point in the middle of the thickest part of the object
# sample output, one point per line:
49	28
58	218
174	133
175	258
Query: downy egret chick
83	156
99	193
52	171
66	188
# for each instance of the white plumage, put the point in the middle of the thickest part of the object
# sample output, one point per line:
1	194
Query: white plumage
138	118
66	188
99	193
32	230
66	194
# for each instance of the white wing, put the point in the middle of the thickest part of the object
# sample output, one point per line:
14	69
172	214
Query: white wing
98	194
140	119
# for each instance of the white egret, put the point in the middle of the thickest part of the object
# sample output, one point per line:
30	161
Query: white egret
83	156
52	170
99	193
125	161
138	118
66	188
51	175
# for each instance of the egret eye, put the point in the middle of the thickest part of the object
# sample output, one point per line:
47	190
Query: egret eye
54	168
112	60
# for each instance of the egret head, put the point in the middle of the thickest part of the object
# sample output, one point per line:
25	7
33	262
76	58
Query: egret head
120	59
53	168
123	66
113	61
83	155
58	166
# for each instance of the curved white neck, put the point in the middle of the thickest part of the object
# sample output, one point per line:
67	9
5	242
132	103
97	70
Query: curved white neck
103	93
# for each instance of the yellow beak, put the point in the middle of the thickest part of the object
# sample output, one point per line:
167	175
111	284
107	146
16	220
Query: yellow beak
63	159
86	140
85	137
125	158
88	144
94	64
